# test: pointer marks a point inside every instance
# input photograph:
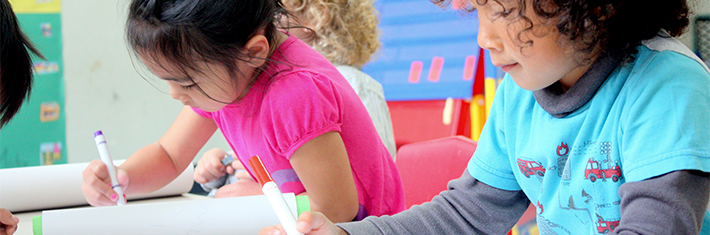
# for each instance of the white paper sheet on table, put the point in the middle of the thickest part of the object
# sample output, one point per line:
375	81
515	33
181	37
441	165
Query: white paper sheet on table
56	186
236	215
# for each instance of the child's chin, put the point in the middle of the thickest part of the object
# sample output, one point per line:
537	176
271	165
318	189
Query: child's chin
208	109
528	86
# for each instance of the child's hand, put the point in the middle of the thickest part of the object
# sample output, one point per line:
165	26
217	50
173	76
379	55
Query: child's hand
210	166
97	184
237	166
243	187
309	223
8	222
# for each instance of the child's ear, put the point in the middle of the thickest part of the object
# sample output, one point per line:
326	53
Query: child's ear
257	50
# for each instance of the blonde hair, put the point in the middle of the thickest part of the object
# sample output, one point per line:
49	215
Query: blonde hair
345	30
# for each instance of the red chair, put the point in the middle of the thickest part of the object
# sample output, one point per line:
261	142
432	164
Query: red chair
427	117
427	166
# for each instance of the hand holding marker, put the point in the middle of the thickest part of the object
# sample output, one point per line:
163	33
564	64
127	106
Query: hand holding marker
273	194
106	158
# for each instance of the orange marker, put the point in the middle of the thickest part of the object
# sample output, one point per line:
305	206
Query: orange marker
273	194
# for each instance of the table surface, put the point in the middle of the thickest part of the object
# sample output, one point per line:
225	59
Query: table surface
25	225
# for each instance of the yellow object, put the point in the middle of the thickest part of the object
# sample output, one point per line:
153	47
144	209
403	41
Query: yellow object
478	115
514	230
448	115
489	90
36	6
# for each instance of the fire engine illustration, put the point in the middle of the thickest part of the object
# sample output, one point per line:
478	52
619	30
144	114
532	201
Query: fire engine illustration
605	226
594	169
529	168
594	172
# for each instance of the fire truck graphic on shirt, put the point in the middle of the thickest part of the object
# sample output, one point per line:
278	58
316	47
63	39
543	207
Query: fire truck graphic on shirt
529	168
595	171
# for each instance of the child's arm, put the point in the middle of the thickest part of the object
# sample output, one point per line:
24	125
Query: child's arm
323	166
154	165
157	164
468	207
673	203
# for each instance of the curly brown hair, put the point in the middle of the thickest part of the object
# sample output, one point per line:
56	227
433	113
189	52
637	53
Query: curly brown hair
609	25
345	31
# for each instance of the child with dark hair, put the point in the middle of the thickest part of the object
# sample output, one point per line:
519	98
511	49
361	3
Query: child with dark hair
15	64
601	122
270	94
15	82
344	32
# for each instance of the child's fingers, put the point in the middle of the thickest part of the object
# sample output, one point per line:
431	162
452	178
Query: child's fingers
96	186
7	218
9	229
272	230
237	165
229	169
315	223
309	223
243	175
215	167
122	177
208	168
8	221
95	198
203	174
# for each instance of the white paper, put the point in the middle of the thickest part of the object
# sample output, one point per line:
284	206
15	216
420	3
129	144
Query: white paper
236	215
56	186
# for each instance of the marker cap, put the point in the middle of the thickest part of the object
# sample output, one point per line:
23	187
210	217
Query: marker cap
98	133
262	176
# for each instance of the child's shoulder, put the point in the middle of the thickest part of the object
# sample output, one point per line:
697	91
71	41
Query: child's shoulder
667	53
663	61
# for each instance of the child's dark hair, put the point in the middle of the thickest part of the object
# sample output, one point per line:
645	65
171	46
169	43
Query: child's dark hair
612	25
184	32
15	64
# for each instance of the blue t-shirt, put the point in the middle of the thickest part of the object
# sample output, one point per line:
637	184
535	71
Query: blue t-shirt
648	118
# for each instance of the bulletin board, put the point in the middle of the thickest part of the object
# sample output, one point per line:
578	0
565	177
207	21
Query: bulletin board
37	134
428	52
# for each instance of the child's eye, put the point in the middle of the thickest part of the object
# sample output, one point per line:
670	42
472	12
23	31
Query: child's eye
188	87
507	12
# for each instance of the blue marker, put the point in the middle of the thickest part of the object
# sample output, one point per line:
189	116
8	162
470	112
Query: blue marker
227	160
106	158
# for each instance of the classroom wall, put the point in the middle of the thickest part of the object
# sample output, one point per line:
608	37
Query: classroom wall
103	89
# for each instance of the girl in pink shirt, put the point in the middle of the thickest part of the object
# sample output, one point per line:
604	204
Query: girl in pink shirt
269	93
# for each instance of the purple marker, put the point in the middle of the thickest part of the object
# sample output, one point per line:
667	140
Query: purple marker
106	158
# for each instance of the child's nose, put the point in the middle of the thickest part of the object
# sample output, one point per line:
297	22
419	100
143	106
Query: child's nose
176	93
487	36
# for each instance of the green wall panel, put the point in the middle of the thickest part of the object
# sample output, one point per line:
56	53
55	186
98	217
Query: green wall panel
37	134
